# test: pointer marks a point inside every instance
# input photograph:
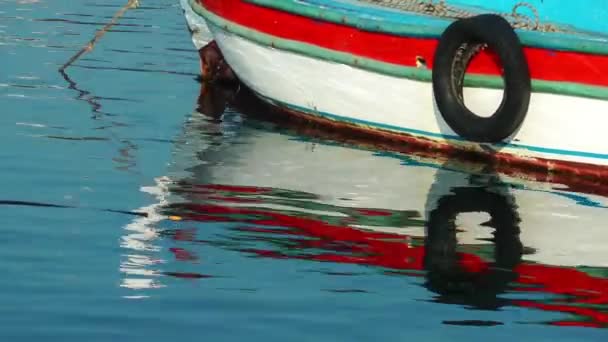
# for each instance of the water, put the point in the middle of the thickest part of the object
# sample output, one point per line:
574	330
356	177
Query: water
132	209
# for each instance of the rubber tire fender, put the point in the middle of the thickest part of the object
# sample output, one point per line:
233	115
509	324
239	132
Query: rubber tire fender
497	33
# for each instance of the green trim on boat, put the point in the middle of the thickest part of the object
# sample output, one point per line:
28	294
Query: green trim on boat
413	73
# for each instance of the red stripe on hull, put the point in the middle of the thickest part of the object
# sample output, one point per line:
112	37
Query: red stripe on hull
547	65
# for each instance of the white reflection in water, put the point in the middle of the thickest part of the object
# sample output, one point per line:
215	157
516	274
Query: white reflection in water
140	267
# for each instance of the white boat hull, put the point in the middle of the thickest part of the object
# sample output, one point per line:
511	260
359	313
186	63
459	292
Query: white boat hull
201	35
557	127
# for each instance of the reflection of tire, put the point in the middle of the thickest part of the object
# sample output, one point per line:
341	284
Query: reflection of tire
446	275
456	47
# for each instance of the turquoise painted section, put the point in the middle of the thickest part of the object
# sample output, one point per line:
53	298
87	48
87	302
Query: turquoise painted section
587	29
538	149
584	15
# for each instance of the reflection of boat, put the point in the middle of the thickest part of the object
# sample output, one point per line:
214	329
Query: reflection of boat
276	160
280	196
371	66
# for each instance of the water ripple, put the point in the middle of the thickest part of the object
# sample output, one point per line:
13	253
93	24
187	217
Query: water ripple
138	204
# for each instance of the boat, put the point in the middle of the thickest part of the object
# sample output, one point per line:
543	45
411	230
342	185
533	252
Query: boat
512	83
199	31
476	238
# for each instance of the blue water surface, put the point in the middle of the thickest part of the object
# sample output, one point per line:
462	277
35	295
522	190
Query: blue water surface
130	212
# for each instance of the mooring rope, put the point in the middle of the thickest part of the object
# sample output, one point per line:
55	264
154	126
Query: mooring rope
91	44
439	8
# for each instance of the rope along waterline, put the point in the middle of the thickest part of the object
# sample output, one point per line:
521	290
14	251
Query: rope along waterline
441	9
91	44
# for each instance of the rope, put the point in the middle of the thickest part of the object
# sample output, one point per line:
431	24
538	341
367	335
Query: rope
91	44
439	8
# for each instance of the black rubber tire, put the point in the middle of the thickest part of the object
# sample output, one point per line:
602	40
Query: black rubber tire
499	36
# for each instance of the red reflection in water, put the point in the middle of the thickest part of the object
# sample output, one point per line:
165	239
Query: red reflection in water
370	212
182	254
582	295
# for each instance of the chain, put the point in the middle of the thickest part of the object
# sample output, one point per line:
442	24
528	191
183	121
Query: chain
439	8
